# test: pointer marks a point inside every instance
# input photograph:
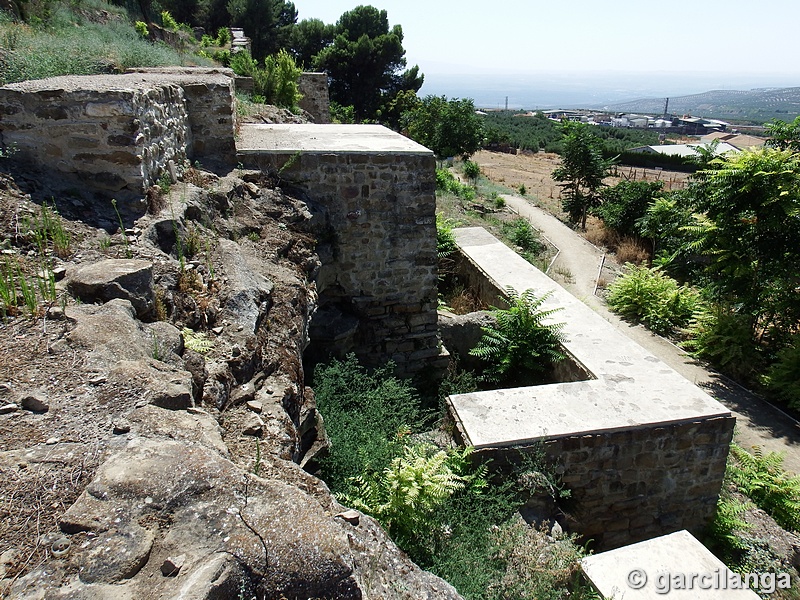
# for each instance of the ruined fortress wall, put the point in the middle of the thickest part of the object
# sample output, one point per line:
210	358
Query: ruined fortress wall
113	140
315	100
115	134
384	265
631	485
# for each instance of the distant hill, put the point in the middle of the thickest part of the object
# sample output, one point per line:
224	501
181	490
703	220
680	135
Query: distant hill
758	105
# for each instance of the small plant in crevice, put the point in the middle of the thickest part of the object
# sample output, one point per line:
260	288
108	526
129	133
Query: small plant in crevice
523	342
128	253
196	341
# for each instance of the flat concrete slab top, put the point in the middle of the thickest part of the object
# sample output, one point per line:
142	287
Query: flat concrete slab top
671	566
631	387
324	139
123	82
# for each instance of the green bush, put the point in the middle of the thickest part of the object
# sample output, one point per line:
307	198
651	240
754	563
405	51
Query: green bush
648	295
275	82
168	21
625	203
724	337
783	377
141	29
763	478
223	36
367	416
522	234
407	495
472	170
445	240
522	343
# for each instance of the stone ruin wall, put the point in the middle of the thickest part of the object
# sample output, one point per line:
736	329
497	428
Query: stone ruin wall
315	100
632	485
116	134
383	268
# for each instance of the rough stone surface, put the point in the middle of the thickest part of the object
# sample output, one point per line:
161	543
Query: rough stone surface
461	333
160	384
315	100
106	280
213	510
34	403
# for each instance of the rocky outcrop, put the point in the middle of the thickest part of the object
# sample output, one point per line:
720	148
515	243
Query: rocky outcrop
169	454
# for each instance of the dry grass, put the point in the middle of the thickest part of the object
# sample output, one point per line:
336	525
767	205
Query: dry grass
464	301
598	234
631	250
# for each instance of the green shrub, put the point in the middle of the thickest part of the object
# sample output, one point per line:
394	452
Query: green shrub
724	533
648	295
522	189
445	240
141	29
276	82
223	36
724	337
783	377
522	234
406	496
763	478
168	21
522	343
367	415
472	170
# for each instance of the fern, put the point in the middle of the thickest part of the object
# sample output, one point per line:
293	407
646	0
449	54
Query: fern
406	495
196	341
783	378
763	478
521	343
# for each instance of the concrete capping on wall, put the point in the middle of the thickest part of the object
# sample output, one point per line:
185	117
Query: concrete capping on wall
642	449
378	191
670	566
115	134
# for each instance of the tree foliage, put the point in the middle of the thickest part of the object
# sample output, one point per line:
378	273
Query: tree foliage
448	127
366	62
752	203
268	23
622	205
582	171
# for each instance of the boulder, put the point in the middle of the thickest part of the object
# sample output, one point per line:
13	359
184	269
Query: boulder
159	383
461	333
106	280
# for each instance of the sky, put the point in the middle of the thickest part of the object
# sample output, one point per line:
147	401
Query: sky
722	44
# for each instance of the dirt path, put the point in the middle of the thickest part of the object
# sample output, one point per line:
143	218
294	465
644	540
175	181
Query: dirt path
758	423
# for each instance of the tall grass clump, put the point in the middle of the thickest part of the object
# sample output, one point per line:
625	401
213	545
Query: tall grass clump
653	298
70	44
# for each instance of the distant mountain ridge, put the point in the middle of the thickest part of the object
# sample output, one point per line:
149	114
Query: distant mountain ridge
756	104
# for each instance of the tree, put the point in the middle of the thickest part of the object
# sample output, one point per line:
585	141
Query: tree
448	127
583	169
752	203
623	204
268	23
365	62
307	39
784	136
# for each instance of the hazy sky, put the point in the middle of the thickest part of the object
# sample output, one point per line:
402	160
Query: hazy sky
719	37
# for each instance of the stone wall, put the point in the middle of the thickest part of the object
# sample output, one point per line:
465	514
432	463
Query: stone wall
641	448
115	134
382	267
631	485
315	100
